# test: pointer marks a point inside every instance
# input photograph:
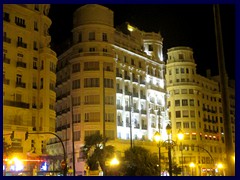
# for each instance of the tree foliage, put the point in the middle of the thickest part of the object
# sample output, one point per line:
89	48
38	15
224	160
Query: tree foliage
140	162
96	153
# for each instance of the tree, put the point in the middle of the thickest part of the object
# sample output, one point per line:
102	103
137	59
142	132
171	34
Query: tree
95	153
139	161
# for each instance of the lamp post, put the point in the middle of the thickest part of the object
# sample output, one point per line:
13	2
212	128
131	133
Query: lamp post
169	128
157	138
192	165
180	137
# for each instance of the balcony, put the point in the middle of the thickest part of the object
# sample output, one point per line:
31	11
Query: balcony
20	24
16	104
119	91
142	96
119	107
142	82
135	95
144	126
7	40
20	84
21	44
135	80
143	111
118	75
120	123
21	64
127	78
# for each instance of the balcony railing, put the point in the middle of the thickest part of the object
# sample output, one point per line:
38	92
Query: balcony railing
21	64
6	39
16	104
21	44
20	84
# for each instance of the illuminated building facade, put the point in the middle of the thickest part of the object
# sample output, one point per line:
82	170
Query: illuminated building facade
111	75
29	78
195	107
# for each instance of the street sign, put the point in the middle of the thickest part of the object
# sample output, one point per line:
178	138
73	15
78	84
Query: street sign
63	164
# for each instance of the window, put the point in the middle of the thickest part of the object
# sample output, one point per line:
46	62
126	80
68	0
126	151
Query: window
109	117
178	114
91	82
91	66
193	124
76	118
132	62
185	125
150	47
35	45
176	91
191	102
92	36
184	91
76	84
35	26
108	83
20	22
192	113
92	117
177	102
109	100
76	68
104	37
77	135
92	49
76	101
184	102
185	113
170	72
194	137
92	99
6	17
180	56
177	71
36	7
35	63
187	70
52	67
178	125
182	70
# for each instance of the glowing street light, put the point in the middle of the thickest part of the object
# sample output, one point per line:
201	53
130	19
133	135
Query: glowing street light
180	137
192	165
157	138
114	162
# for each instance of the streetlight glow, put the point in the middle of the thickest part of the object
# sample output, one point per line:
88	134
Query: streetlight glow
114	161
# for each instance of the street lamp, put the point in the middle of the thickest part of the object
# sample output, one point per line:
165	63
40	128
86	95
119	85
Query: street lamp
157	138
180	137
220	167
169	129
192	165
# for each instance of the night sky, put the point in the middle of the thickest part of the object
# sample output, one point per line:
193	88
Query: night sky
180	25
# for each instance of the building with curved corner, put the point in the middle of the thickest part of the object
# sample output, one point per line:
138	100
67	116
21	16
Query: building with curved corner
29	78
111	75
195	107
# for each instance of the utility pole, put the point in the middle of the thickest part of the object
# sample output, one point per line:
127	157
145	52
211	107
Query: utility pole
224	93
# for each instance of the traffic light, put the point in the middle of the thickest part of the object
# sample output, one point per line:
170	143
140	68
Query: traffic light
26	136
12	135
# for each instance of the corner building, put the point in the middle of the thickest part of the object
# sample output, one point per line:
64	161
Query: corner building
195	107
29	79
109	75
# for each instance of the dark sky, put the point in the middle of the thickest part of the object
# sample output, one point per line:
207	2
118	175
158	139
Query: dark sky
180	25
